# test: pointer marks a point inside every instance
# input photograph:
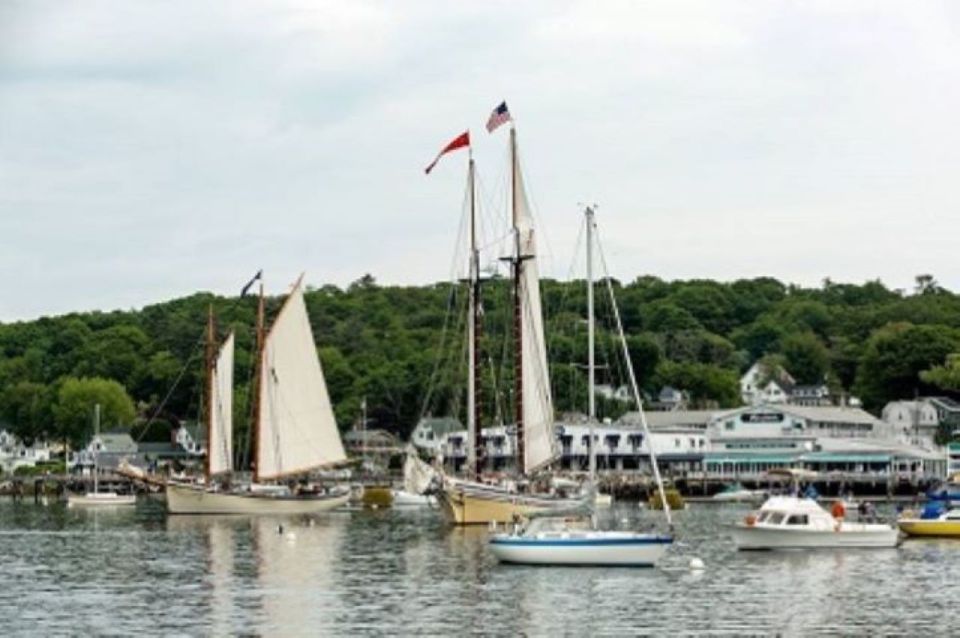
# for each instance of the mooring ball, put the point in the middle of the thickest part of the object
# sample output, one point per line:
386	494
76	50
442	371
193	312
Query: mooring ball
696	564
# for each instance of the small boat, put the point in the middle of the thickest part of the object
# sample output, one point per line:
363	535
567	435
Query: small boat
793	522
603	500
736	493
561	541
96	497
561	538
403	498
934	520
101	498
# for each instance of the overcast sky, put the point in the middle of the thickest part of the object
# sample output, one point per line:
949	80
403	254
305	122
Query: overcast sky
152	149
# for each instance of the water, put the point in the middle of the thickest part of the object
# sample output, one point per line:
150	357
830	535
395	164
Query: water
386	572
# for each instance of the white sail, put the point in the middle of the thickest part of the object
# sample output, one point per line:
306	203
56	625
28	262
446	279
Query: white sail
417	475
220	436
297	429
538	437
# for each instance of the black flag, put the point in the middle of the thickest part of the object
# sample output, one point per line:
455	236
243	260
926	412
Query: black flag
256	278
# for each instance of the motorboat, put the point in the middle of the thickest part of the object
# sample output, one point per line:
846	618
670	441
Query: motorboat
793	522
736	493
564	541
934	520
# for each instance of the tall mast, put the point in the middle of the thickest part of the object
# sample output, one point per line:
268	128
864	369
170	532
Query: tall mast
208	400
96	448
257	383
591	364
474	447
517	308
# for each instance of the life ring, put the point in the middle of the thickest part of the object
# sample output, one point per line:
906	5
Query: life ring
750	520
838	510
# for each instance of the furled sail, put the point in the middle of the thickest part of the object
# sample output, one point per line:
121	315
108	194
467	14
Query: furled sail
220	436
539	441
297	429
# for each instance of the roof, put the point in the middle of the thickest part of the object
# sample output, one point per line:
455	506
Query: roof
440	425
829	457
673	418
119	442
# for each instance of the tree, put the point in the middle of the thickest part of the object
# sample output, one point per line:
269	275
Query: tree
26	408
945	376
708	385
807	359
76	398
894	357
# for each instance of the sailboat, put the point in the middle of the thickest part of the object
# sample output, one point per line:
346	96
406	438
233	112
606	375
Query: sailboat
294	429
574	539
96	497
468	500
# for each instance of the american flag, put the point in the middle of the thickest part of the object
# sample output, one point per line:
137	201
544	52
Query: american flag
499	116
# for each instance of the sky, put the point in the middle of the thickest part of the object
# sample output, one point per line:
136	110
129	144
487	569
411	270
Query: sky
149	150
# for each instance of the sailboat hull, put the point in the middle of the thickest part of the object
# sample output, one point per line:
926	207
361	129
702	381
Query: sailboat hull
598	548
185	499
476	504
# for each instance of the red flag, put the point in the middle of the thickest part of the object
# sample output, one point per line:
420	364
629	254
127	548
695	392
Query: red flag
459	142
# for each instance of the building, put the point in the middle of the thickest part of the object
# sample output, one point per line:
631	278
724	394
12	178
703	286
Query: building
810	395
431	432
15	454
669	399
761	384
106	449
914	422
192	438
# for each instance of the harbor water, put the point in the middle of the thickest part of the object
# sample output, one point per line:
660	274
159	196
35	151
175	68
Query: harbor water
383	572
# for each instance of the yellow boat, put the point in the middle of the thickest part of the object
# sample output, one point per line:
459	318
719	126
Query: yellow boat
946	524
471	503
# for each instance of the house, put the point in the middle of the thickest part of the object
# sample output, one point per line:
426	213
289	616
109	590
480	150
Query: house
431	432
761	384
192	438
810	395
670	399
621	393
15	454
106	449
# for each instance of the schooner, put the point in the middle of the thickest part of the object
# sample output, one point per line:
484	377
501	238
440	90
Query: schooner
294	429
469	500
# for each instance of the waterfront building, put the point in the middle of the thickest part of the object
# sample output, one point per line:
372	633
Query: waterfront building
14	453
108	448
431	433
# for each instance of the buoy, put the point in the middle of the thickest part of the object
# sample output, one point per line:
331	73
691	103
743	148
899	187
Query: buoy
291	536
280	529
696	564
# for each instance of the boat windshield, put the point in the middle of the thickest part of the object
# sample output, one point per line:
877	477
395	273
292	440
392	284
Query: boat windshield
775	518
798	519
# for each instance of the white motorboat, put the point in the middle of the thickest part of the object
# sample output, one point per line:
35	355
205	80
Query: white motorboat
791	522
736	493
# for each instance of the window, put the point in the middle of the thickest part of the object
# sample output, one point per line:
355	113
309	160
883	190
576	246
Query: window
728	425
775	518
797	519
676	443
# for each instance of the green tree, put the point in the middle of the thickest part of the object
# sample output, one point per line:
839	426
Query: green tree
807	359
894	357
26	408
75	403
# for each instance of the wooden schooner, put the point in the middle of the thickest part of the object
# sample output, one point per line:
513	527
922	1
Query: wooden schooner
294	430
469	500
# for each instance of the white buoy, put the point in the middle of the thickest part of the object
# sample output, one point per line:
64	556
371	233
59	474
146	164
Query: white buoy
291	536
696	564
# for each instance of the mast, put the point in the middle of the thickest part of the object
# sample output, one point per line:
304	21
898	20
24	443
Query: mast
517	309
96	454
591	364
257	382
474	447
208	402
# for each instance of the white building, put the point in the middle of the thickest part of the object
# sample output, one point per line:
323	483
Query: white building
14	453
761	385
914	422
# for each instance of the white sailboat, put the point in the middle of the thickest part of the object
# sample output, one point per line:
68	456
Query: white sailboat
468	500
294	429
417	479
566	540
96	497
